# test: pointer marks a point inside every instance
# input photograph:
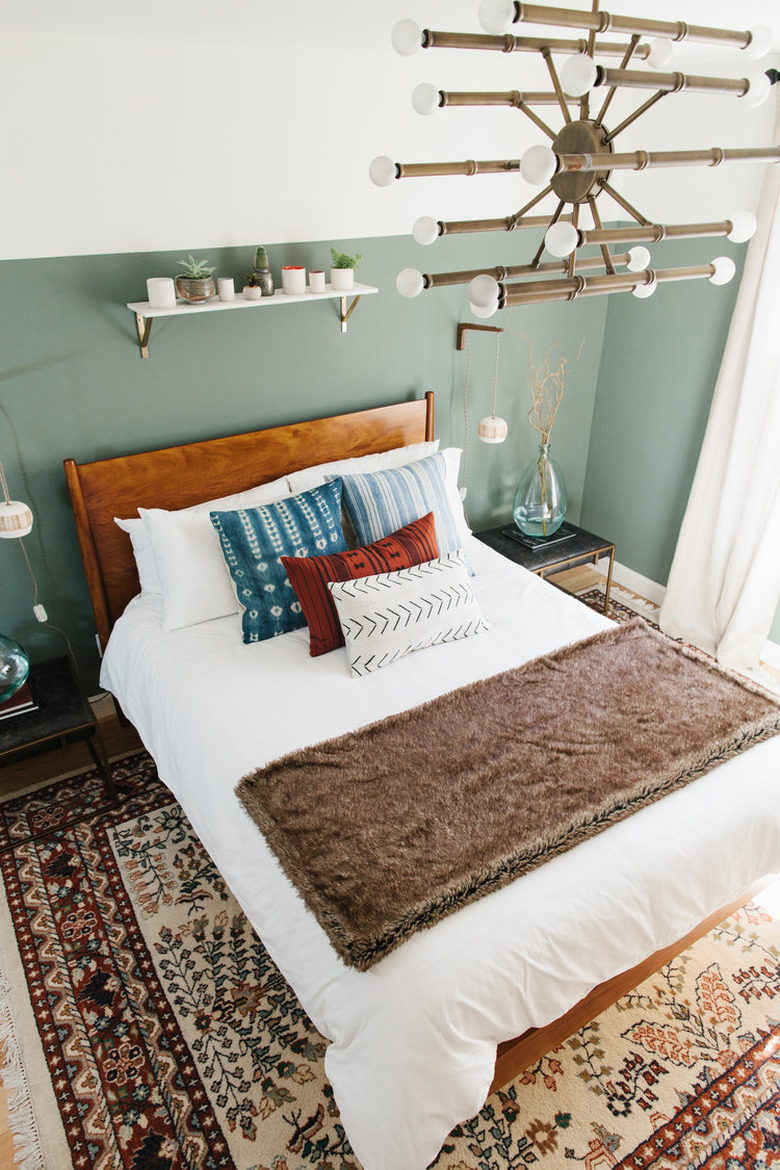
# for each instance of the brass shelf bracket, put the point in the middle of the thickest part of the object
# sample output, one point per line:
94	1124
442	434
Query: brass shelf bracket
463	326
144	327
346	313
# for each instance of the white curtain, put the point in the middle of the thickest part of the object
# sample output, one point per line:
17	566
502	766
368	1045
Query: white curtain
724	585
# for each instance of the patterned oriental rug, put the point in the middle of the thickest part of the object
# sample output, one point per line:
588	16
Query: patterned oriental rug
155	1032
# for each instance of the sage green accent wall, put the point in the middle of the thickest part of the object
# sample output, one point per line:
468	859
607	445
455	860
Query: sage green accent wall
659	367
73	384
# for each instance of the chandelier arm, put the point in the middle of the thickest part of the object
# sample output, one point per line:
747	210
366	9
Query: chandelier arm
532	221
557	85
641	160
511	97
515	271
591	51
508	97
541	291
508	224
604	21
555	217
654	232
622	202
672	82
468	167
636	114
626	58
609	263
506	43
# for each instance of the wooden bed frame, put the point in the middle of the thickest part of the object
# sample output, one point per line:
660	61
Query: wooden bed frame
176	477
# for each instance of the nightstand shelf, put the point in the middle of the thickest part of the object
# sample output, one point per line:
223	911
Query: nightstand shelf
145	315
580	548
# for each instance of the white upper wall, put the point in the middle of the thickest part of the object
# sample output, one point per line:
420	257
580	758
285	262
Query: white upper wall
184	124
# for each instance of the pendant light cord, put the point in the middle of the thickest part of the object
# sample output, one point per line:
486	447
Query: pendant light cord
495	376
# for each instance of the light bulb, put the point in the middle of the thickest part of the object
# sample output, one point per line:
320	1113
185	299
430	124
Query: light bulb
483	291
743	227
425	229
761	39
538	165
643	291
660	55
425	98
382	171
410	282
496	16
638	259
406	38
484	311
492	429
760	88
724	270
561	239
578	75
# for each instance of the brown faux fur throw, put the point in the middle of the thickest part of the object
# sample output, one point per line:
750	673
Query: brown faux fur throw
389	828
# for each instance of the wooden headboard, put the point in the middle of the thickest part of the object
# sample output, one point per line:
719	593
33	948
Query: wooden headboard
176	477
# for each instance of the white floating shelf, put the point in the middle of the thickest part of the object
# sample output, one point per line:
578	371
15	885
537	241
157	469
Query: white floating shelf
145	313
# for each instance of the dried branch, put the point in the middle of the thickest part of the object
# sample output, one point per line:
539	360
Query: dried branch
547	384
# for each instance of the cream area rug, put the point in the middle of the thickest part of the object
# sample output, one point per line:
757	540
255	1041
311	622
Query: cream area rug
146	1027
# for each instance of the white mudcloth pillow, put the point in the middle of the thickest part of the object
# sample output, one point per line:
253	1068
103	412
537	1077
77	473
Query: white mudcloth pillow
389	615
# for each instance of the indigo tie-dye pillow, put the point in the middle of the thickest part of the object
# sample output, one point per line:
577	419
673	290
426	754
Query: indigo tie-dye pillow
254	540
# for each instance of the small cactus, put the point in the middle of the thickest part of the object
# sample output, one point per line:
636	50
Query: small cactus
261	258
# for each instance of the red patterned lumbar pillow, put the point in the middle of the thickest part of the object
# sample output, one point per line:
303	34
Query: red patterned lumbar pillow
411	545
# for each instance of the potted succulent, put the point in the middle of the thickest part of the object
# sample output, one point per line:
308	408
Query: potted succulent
194	283
342	270
259	282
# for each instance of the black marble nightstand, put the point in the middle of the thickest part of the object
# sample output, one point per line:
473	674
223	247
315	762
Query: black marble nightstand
553	555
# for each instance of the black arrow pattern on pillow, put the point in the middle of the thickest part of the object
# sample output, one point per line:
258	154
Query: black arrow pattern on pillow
366	663
402	615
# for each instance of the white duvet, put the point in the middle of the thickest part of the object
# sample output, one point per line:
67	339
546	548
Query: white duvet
413	1039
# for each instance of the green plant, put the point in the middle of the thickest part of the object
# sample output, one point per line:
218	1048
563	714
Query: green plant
254	278
342	260
261	258
192	269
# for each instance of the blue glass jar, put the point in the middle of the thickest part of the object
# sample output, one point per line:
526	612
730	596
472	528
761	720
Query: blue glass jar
14	667
540	499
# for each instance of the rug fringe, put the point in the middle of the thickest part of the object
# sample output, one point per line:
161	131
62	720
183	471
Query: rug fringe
21	1118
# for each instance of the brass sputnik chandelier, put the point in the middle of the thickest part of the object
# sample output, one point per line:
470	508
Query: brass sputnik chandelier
578	165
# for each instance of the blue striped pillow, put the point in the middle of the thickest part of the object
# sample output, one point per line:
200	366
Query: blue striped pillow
254	540
384	501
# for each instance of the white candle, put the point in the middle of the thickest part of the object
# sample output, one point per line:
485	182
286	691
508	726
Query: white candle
161	292
317	280
294	279
227	290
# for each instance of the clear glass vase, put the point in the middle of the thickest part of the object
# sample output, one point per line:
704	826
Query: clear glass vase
14	667
540	499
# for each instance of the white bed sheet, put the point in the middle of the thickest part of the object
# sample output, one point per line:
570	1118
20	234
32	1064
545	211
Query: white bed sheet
413	1039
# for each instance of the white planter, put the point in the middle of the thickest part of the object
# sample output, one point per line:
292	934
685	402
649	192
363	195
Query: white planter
294	279
342	279
252	292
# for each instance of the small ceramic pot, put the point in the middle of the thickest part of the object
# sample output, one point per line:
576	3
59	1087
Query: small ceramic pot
294	279
342	279
195	292
252	292
317	280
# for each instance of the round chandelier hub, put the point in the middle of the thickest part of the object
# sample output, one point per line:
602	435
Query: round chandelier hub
581	137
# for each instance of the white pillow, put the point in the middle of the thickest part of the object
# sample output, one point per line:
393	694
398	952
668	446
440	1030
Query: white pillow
389	615
193	577
310	477
143	553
